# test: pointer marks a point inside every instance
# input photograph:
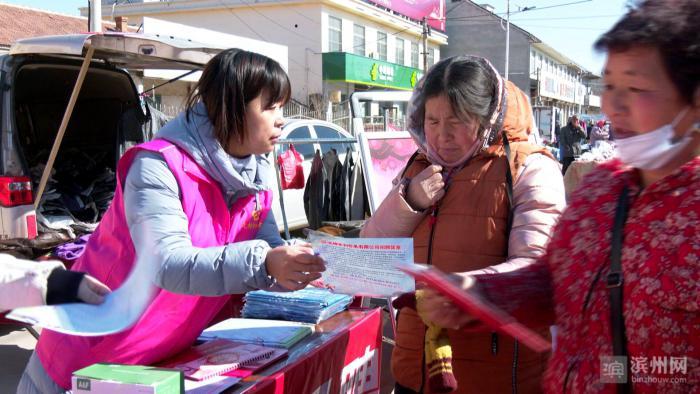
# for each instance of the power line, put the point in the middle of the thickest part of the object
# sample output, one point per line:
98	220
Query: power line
512	13
558	5
304	67
455	7
276	23
352	49
568	28
242	21
569	18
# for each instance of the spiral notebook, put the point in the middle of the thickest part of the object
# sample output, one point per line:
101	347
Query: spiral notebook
219	357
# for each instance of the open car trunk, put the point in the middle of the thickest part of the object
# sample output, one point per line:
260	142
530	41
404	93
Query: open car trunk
107	119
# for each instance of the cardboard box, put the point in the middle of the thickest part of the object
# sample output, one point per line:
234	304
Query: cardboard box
118	378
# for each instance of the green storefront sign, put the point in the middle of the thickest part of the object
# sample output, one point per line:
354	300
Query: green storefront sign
346	67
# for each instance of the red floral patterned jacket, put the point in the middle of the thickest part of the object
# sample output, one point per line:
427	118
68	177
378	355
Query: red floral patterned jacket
661	290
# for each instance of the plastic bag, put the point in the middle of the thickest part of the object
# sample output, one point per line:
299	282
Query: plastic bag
291	171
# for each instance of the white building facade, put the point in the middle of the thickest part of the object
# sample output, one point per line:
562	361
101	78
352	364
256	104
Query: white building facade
334	46
558	82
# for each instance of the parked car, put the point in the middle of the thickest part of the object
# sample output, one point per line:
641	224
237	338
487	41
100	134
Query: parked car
297	129
39	76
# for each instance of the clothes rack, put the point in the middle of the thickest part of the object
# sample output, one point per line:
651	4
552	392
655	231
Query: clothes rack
299	141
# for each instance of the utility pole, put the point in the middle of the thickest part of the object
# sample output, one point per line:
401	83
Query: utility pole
426	31
508	32
95	19
507	37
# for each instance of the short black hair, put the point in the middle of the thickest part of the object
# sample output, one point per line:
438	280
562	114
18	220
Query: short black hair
671	26
232	79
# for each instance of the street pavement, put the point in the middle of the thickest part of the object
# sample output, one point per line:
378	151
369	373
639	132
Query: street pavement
16	345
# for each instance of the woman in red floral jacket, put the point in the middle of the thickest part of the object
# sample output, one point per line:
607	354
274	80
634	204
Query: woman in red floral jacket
652	97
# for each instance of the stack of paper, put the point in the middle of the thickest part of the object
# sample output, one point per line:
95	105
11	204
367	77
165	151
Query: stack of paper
275	333
309	305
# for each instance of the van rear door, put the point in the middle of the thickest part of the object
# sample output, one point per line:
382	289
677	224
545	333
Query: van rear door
124	50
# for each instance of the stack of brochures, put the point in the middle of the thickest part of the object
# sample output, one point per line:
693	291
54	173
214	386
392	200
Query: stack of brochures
310	305
274	333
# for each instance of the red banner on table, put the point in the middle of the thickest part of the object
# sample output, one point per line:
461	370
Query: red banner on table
344	358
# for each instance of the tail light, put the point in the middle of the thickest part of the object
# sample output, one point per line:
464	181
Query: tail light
15	191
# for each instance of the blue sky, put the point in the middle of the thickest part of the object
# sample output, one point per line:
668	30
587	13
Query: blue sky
571	29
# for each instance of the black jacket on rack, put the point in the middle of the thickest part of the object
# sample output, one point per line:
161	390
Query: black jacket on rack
334	191
345	186
314	195
332	165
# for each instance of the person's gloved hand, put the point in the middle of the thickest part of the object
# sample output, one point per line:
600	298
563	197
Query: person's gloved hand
70	286
294	266
426	188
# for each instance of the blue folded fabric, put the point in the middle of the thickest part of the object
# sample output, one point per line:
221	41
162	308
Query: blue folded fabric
310	305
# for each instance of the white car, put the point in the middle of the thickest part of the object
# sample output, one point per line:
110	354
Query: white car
305	129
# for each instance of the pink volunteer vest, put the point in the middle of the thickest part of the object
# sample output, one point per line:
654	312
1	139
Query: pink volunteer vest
173	321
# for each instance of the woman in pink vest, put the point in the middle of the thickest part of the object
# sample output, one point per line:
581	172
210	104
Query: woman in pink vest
195	200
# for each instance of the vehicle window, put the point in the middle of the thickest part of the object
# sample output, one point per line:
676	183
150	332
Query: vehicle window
307	150
327	132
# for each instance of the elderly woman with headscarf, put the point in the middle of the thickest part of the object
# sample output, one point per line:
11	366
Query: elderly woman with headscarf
476	197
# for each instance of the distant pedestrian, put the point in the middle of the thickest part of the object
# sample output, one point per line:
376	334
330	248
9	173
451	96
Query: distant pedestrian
599	132
571	136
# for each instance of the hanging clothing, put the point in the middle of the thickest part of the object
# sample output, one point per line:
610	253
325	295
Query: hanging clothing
346	185
331	185
359	205
315	197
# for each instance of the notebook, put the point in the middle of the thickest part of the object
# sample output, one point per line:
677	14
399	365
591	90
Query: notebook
218	357
274	333
218	384
477	307
257	365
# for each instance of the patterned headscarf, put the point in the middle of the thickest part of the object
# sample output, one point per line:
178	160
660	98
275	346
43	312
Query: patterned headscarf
488	135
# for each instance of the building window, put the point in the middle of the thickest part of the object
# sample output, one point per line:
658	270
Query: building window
431	56
414	54
335	34
381	45
358	43
400	57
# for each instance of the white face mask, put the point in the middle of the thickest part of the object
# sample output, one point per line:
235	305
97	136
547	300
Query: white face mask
652	150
